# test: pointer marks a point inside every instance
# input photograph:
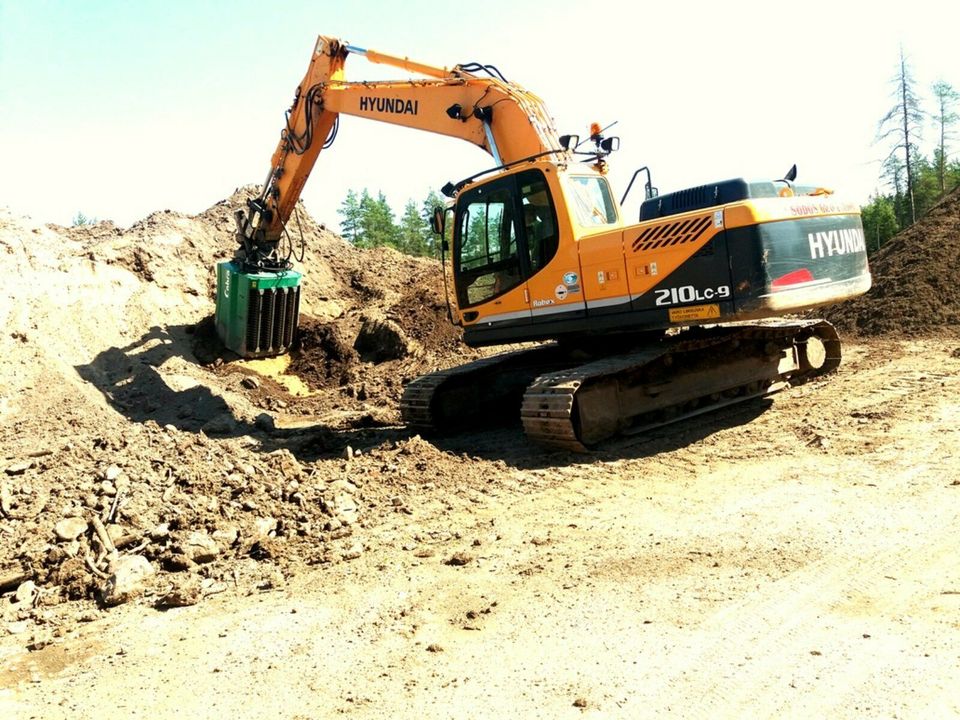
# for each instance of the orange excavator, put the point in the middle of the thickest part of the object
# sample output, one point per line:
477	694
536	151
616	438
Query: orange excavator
641	323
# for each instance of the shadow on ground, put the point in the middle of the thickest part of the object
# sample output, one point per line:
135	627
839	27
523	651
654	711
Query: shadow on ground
130	380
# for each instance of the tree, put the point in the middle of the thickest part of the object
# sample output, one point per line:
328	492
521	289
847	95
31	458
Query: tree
903	123
81	219
433	201
376	222
879	222
351	214
945	118
892	172
413	238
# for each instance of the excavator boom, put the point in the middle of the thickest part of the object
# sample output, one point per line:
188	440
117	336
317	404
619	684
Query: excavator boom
454	102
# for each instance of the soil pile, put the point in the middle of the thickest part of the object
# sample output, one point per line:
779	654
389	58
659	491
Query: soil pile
126	430
916	281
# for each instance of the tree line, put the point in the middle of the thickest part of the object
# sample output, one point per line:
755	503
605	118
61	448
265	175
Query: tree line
914	181
368	221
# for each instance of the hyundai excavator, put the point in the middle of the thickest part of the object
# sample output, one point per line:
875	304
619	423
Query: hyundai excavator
636	323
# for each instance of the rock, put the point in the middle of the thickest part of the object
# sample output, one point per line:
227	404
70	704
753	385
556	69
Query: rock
200	548
26	592
434	648
70	528
250	382
116	532
459	559
222	424
111	473
19	468
19	627
265	525
108	488
345	508
226	536
355	551
265	422
128	579
580	702
380	339
186	591
160	533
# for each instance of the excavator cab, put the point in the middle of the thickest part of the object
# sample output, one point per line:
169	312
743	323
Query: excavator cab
505	231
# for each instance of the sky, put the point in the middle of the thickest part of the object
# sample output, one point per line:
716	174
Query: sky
116	109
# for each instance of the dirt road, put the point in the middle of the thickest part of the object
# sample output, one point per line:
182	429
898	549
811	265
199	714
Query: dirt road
793	559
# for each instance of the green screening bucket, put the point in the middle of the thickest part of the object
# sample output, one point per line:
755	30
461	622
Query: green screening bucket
257	313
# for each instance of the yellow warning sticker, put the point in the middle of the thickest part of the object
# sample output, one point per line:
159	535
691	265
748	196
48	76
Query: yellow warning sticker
694	312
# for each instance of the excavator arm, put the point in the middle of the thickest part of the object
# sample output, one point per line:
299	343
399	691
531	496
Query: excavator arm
500	117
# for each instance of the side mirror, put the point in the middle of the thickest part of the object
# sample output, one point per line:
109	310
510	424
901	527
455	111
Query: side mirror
610	144
569	141
436	222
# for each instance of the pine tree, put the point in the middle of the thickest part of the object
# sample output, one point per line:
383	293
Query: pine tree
377	225
879	222
433	201
903	123
412	239
351	213
946	98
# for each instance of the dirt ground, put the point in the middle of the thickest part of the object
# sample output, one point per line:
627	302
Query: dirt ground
301	554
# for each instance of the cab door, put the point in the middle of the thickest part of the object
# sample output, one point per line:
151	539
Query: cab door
554	278
489	266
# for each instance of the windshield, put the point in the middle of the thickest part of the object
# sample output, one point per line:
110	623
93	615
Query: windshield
591	200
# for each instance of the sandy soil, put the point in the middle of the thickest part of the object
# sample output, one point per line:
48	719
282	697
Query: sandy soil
793	557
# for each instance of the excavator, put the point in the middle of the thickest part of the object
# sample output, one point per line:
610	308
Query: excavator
627	325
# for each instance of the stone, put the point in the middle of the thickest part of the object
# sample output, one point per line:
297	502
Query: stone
26	592
128	579
265	422
459	559
108	488
112	473
186	590
222	424
200	548
250	382
18	627
226	536
19	468
265	526
381	339
70	528
354	552
345	508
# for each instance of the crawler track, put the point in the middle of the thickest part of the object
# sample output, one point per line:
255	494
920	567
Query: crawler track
573	402
579	407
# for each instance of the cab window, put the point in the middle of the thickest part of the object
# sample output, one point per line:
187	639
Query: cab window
539	219
488	262
592	201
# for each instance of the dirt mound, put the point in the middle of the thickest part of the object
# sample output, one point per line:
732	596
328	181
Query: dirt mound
322	357
916	281
422	313
128	430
